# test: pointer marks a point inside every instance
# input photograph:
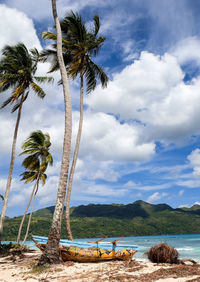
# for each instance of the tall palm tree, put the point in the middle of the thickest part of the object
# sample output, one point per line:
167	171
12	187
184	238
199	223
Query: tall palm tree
17	72
51	253
79	46
37	148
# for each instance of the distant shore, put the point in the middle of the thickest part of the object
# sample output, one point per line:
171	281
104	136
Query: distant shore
22	269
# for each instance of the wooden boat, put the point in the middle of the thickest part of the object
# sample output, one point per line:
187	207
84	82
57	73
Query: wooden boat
93	254
84	244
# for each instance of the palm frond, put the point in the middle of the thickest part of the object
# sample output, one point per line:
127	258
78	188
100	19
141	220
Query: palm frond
38	90
35	55
46	35
31	162
48	55
18	91
5	103
96	24
91	73
43	79
18	104
43	177
29	176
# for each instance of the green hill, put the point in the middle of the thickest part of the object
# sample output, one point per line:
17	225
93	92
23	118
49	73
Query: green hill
138	218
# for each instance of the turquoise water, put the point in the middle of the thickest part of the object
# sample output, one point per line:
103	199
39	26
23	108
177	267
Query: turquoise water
188	245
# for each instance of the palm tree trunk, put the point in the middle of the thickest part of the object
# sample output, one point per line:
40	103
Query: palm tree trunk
22	222
3	213
73	166
29	220
51	253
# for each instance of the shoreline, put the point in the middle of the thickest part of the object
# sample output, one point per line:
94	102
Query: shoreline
22	269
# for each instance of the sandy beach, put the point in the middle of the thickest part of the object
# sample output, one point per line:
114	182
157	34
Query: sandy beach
23	269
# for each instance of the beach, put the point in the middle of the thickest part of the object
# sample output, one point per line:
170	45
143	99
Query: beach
24	269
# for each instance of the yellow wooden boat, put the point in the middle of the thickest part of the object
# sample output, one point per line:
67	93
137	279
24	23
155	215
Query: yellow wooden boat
91	254
94	254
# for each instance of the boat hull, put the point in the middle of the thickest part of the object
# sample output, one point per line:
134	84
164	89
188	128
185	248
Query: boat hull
87	255
76	254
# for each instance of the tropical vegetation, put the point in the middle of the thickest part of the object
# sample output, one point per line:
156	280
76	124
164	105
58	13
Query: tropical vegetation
18	67
79	46
36	163
116	220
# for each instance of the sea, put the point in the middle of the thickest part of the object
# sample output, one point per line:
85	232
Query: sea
188	245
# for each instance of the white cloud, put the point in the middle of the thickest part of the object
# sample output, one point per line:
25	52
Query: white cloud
181	192
188	205
183	50
139	186
191	183
106	138
130	184
152	92
156	196
103	191
15	200
17	27
42	8
154	187
194	159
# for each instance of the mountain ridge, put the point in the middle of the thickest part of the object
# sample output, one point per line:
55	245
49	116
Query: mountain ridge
97	220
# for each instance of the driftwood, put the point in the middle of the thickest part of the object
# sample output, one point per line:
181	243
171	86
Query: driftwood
183	261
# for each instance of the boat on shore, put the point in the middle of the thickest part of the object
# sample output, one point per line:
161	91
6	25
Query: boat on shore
83	244
91	254
88	251
95	255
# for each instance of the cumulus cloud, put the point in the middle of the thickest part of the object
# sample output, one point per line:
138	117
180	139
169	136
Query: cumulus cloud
183	48
21	29
194	159
156	196
106	138
152	91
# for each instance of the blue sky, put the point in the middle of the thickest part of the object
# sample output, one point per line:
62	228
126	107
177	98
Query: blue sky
141	135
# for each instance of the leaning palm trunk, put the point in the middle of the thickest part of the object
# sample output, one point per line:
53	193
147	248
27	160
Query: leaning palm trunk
22	222
29	220
51	253
73	166
3	213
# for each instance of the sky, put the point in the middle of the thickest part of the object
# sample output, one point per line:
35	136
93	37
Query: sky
141	134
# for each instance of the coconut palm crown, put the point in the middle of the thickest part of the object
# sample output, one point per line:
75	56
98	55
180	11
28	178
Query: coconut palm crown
18	67
37	148
17	72
78	46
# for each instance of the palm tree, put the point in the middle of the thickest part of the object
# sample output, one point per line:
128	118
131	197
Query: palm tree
51	253
79	45
17	72
37	147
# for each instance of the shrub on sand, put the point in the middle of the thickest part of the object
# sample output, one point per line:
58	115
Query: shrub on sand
163	253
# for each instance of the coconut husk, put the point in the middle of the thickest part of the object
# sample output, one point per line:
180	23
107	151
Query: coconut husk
163	253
